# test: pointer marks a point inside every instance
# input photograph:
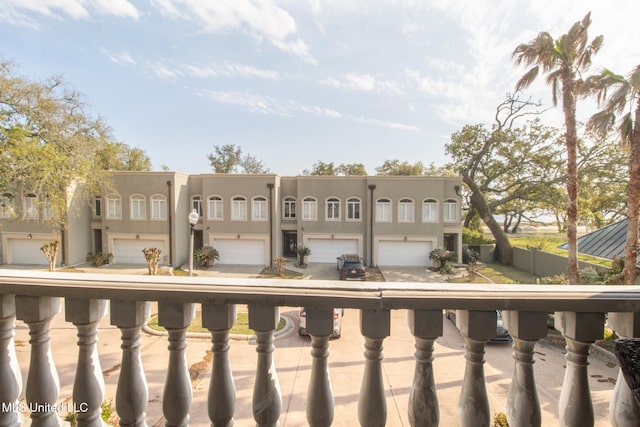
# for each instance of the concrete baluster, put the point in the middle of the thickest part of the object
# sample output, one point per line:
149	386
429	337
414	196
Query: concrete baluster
218	319
580	330
267	398
320	406
175	317
43	385
623	408
132	393
477	327
526	328
426	326
11	384
375	326
88	386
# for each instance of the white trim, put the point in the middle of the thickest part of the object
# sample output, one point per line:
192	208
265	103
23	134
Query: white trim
314	213
158	198
412	212
437	210
219	199
264	200
333	200
346	209
294	201
138	198
243	212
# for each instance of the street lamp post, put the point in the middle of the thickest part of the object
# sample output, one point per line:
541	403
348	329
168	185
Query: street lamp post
193	220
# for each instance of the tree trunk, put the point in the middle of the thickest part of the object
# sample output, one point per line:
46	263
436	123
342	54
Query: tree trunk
571	139
631	247
479	203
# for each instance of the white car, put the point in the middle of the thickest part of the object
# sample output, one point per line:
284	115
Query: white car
337	323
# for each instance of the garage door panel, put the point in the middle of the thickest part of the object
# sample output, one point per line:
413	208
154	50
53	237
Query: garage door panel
128	251
249	252
28	252
327	250
403	253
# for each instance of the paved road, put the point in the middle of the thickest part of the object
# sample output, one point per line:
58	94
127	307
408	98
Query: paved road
293	362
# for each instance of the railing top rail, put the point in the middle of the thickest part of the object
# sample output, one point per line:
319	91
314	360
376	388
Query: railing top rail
321	293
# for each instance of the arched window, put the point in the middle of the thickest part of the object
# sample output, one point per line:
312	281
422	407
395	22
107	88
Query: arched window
30	206
309	209
383	210
114	206
333	209
353	209
196	203
8	207
259	209
429	210
137	207
239	208
215	208
406	210
289	208
450	213
158	207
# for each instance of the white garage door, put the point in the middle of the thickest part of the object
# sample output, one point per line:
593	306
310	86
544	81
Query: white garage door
128	251
327	250
249	252
25	251
404	253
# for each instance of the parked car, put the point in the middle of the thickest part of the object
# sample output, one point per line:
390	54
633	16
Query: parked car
502	335
350	267
337	322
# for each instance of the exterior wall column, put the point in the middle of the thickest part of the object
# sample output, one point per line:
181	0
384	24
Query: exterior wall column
375	326
267	398
320	405
132	393
526	328
11	384
623	408
175	317
43	385
88	386
221	402
477	327
426	326
580	330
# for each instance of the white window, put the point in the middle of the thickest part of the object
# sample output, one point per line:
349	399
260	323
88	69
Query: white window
259	209
215	208
430	210
405	210
239	209
138	207
333	209
353	209
97	207
450	211
309	209
158	207
383	210
114	207
30	206
7	209
289	208
196	203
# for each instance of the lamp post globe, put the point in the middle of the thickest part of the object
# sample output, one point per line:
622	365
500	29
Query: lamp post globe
193	220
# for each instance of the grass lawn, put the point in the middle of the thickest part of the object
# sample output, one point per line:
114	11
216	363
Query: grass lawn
549	243
498	273
240	327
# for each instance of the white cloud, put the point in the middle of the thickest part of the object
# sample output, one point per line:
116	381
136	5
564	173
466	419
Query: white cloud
231	70
121	58
260	19
363	83
163	72
20	12
267	105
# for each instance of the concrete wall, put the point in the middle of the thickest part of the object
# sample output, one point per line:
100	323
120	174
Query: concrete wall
544	264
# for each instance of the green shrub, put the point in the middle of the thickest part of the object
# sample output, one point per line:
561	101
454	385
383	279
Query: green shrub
206	256
100	258
474	237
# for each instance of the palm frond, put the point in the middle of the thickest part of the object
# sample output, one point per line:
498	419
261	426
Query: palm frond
553	80
618	99
634	79
601	121
528	78
626	128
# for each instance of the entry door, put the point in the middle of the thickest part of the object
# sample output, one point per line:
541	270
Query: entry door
290	244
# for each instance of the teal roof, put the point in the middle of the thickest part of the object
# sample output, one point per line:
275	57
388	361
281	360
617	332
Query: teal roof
606	242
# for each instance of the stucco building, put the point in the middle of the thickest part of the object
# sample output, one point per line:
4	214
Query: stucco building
250	219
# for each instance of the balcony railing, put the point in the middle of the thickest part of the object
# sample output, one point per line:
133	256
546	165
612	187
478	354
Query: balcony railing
35	298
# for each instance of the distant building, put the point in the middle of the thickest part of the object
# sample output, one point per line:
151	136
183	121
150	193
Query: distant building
250	219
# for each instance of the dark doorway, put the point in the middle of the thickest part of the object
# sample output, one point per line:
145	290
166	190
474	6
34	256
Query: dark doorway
290	244
450	242
198	240
97	241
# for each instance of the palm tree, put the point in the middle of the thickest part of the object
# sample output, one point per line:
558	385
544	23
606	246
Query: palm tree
625	100
563	60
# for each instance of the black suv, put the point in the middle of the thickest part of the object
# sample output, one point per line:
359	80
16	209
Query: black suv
350	267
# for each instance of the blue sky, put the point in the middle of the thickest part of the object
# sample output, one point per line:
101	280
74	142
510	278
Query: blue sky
297	81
